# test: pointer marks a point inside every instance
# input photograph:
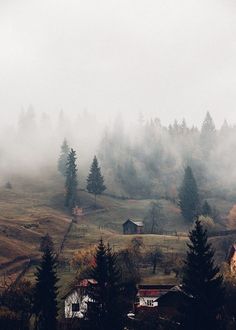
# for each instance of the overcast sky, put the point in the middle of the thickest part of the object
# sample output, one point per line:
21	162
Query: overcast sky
172	58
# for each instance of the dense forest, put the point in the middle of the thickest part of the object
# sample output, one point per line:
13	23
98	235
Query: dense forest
148	160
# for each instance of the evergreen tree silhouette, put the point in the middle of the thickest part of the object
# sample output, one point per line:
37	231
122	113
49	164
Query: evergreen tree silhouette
95	181
62	161
106	311
71	180
202	283
188	195
46	290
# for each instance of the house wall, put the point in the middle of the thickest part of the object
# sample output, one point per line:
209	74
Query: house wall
147	301
139	230
75	298
129	228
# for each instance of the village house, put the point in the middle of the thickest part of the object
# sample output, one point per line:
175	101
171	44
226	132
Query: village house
131	227
231	258
148	295
164	301
77	299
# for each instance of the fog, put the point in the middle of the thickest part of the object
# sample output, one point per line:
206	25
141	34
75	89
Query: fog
111	77
143	158
170	59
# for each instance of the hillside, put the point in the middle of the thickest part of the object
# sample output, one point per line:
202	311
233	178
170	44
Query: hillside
34	207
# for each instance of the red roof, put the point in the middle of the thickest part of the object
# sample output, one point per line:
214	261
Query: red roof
151	292
86	282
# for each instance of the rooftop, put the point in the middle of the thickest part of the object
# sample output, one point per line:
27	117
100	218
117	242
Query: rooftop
137	223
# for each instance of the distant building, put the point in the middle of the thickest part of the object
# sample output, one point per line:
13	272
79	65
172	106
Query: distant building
131	227
148	295
231	258
77	299
164	301
77	213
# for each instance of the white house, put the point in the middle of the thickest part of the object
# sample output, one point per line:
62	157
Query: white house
77	299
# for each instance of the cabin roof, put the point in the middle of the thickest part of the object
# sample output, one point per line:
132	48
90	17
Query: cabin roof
153	290
136	223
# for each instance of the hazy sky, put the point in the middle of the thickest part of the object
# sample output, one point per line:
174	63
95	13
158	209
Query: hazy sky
174	58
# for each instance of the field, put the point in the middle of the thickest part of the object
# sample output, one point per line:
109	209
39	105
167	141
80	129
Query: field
34	207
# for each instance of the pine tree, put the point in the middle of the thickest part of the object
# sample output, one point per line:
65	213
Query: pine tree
202	283
188	195
107	308
208	125
46	243
115	299
71	180
206	209
45	300
97	312
62	161
95	181
207	138
225	128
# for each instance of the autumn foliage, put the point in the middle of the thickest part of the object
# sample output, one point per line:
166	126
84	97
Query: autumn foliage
84	258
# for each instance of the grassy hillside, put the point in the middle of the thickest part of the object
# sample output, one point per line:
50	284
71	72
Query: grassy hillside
34	207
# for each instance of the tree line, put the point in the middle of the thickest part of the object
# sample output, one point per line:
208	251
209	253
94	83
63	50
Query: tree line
147	161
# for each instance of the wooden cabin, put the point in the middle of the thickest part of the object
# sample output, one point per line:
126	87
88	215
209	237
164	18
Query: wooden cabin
131	227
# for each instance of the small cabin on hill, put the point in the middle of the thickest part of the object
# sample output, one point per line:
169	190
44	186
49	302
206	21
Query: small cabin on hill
77	299
131	227
231	258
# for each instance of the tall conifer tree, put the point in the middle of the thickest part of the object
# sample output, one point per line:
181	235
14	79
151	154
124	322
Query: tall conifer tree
188	195
202	283
62	161
208	125
95	181
206	209
207	138
45	301
71	180
107	307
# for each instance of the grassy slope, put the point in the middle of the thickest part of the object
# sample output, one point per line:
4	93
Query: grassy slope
39	203
27	212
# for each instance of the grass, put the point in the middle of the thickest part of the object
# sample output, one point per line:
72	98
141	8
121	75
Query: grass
34	207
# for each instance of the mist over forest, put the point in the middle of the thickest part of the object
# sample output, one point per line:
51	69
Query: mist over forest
140	158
